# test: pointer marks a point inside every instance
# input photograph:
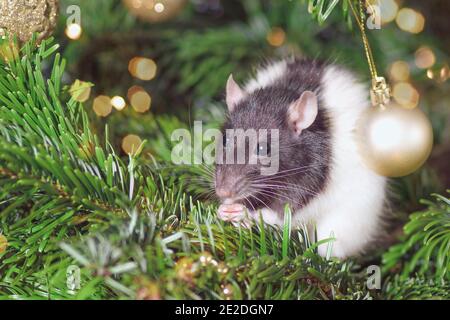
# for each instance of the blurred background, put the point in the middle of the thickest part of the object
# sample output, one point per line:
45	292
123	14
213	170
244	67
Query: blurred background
155	65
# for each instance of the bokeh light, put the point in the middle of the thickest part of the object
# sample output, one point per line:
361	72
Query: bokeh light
80	90
424	58
118	103
139	99
399	71
74	31
159	7
131	143
142	68
276	37
410	20
102	106
388	10
444	73
405	95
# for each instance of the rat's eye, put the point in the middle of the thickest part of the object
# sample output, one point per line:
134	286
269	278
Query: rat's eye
263	149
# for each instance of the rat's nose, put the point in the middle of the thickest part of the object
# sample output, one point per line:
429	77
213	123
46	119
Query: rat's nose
224	192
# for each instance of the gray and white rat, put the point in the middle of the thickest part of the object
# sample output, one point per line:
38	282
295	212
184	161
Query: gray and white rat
314	106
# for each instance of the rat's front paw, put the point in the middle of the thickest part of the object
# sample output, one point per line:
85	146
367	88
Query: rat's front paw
232	212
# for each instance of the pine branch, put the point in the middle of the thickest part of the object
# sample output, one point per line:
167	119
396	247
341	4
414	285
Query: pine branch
425	249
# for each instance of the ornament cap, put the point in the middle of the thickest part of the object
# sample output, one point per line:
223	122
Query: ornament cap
380	94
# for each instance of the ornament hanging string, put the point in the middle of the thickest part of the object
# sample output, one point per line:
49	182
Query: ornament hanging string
383	131
380	93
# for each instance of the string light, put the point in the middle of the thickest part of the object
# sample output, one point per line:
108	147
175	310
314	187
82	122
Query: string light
139	99
405	94
424	58
118	102
131	144
410	20
276	37
102	106
74	31
399	71
142	68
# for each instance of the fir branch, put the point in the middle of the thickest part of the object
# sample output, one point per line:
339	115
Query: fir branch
425	249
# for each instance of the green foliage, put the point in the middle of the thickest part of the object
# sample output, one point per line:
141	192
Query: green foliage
60	184
426	248
136	225
416	288
321	9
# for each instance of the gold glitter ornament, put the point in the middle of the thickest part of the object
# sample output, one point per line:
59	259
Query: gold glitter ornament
25	17
155	10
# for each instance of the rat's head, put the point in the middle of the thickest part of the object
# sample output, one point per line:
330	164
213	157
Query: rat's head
274	148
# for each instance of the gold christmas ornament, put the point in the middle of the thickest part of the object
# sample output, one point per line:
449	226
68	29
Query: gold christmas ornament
23	18
393	140
155	10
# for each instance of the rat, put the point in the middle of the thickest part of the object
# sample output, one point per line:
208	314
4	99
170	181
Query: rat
314	107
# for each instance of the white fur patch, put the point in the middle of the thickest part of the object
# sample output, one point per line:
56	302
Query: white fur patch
351	205
266	76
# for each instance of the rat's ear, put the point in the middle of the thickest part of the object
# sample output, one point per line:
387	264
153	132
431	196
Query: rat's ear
234	93
303	112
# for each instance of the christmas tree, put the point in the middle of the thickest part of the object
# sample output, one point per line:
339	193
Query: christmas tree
91	206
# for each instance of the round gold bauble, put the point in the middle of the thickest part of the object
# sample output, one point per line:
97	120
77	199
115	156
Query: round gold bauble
155	10
23	18
394	141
